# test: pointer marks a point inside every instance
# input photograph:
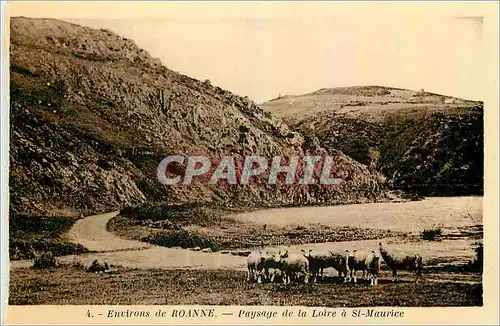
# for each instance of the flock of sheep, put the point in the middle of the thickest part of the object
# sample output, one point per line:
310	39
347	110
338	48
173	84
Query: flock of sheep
266	265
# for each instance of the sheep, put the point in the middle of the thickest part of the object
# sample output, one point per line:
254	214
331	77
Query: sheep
293	264
318	261
395	262
352	266
340	264
312	264
260	263
271	261
368	263
374	268
255	264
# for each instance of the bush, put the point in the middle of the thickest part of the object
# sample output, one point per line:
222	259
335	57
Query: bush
431	234
186	212
45	260
45	227
182	239
97	267
25	249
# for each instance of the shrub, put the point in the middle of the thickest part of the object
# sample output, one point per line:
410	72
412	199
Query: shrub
182	239
25	249
187	212
431	234
45	260
97	267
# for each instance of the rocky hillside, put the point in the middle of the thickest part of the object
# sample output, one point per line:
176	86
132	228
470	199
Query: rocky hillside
92	115
424	143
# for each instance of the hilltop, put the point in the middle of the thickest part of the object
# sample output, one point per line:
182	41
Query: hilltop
371	103
425	143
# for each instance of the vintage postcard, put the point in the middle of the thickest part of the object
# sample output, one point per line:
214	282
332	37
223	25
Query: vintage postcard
250	162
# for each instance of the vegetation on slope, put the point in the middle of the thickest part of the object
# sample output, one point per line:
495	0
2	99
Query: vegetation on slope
424	143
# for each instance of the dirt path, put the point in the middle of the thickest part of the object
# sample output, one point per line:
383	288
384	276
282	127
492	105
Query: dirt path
91	232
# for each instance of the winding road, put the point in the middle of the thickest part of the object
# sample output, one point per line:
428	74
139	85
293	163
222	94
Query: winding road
92	233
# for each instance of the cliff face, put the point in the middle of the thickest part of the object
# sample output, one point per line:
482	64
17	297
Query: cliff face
92	115
424	143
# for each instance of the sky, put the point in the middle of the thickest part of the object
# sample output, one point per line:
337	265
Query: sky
263	50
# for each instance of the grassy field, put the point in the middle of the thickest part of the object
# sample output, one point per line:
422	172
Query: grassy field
72	285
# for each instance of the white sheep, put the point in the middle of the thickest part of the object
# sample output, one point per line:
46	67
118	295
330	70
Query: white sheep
293	265
374	263
369	263
255	264
401	262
